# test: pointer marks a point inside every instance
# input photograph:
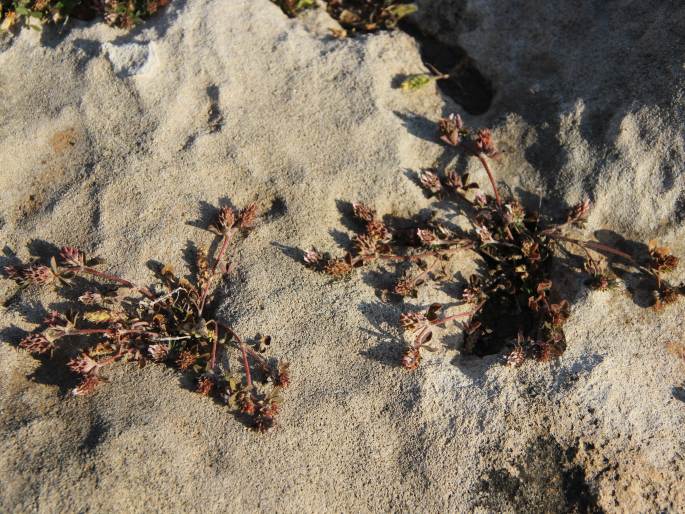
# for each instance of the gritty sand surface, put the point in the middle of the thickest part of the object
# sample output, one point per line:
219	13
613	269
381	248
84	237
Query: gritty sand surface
116	142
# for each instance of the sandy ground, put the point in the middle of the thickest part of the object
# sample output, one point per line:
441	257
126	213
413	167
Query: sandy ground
116	141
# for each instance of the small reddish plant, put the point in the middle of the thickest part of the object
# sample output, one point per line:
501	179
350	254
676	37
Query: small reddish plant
124	321
513	301
35	13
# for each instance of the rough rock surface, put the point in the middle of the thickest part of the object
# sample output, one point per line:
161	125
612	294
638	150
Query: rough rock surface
114	141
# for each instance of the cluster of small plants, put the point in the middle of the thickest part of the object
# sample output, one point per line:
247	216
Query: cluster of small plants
513	301
35	13
369	15
294	7
115	320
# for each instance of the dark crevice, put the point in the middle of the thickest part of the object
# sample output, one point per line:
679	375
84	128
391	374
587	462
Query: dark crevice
466	85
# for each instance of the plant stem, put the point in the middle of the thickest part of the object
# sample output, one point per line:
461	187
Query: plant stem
423	255
114	278
485	164
595	246
243	350
224	244
460	315
212	361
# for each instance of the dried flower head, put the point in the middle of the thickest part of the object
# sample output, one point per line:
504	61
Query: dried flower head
283	374
55	319
426	236
365	245
225	220
484	144
665	295
266	415
72	256
338	267
413	320
83	364
363	212
430	181
578	214
450	129
378	230
246	401
90	298
411	359
89	383
313	257
247	217
516	357
158	352
38	275
186	360
37	343
405	287
205	385
661	259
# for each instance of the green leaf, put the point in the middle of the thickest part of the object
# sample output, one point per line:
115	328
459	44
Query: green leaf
415	82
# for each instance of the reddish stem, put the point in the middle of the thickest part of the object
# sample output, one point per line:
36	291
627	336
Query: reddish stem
243	350
595	246
485	164
460	315
224	244
114	278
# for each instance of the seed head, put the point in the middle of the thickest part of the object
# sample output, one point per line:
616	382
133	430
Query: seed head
245	401
405	287
55	319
